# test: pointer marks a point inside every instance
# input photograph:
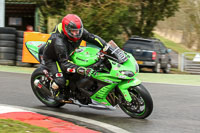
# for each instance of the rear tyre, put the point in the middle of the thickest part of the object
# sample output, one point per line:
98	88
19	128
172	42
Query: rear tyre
4	43
8	37
7	30
157	68
19	46
7	49
167	68
22	64
20	33
7	62
48	100
20	40
141	105
7	56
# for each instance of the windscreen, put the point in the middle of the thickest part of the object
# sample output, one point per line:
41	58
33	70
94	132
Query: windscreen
117	52
146	45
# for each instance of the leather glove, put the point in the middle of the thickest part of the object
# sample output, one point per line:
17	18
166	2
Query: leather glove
85	71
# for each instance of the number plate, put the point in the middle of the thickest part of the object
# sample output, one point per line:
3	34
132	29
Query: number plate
140	62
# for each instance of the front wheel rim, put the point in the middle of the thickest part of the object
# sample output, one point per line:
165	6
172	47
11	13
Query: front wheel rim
136	106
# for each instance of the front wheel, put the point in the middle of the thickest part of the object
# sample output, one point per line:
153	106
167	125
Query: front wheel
43	94
141	105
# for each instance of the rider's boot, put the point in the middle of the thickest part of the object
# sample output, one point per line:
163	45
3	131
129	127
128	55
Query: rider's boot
58	96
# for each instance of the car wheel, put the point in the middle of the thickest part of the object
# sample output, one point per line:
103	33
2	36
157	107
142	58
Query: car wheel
167	68
156	69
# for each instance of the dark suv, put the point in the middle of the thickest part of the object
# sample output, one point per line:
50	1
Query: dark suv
149	53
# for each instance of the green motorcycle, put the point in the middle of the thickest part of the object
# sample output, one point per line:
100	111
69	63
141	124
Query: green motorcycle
113	83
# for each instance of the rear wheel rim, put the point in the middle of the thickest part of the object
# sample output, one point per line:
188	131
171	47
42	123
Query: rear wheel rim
41	94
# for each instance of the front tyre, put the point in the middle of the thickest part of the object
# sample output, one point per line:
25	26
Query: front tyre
41	94
141	105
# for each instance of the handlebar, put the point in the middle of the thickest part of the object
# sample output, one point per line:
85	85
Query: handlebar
101	59
110	57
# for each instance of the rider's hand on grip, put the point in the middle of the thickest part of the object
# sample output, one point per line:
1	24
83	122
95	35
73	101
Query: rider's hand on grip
85	71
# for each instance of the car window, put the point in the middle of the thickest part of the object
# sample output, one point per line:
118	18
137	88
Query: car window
162	48
157	46
134	44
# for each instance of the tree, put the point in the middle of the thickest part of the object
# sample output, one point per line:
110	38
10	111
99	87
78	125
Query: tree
186	20
50	8
194	16
115	19
149	12
101	17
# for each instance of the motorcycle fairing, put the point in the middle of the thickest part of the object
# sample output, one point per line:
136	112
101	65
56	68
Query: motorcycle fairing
124	85
33	47
85	56
101	95
115	77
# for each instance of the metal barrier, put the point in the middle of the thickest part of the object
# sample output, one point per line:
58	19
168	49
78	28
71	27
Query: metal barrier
190	62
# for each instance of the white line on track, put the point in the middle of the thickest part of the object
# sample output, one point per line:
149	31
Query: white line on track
109	127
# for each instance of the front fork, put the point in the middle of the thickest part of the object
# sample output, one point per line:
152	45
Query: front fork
125	85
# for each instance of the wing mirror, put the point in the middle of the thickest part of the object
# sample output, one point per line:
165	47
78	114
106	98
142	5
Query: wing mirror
169	50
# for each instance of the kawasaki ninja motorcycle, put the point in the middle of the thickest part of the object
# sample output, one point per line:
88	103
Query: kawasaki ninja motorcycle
113	83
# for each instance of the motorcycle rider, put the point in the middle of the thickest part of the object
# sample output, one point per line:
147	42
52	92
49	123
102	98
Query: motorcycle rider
64	39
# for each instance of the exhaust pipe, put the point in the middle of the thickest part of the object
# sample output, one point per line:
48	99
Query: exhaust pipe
42	87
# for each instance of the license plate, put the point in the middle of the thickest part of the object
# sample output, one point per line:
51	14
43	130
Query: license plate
140	62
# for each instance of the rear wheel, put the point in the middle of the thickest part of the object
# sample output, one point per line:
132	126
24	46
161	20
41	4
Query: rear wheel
167	68
141	105
157	68
44	95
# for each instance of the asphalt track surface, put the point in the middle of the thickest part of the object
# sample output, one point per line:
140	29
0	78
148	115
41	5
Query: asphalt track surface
176	107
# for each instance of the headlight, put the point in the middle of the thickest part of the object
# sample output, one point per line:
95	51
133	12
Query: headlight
137	67
127	73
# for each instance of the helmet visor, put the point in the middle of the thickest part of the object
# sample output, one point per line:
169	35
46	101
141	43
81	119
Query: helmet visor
74	32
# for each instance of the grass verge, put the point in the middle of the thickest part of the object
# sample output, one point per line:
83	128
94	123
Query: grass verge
16	69
181	79
179	48
13	126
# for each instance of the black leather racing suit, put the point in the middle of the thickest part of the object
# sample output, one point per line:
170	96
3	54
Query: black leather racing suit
58	49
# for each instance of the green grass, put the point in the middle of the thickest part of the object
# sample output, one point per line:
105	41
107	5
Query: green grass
13	126
16	69
179	48
183	79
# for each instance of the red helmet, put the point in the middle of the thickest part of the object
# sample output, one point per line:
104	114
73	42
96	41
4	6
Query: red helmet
72	27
